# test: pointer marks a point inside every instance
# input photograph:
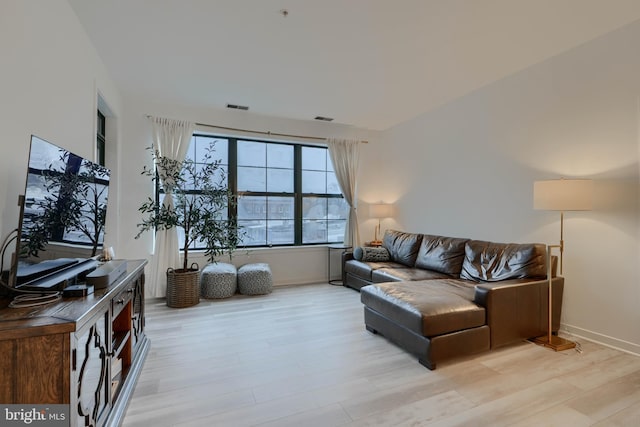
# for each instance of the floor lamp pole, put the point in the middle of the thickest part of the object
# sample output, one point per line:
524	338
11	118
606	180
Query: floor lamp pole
561	238
553	341
550	290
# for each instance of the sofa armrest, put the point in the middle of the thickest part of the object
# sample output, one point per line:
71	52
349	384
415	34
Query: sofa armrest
518	309
346	256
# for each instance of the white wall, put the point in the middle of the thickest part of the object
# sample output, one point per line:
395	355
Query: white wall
50	77
468	169
293	265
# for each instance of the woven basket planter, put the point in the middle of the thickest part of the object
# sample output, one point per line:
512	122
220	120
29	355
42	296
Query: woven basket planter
183	287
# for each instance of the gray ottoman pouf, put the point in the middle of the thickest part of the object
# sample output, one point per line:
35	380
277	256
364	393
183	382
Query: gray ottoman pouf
218	280
255	279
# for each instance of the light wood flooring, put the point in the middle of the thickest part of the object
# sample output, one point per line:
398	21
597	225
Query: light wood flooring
302	357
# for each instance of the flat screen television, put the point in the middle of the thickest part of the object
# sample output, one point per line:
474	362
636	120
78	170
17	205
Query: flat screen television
62	214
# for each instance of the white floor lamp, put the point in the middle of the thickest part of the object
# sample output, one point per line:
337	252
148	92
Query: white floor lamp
560	195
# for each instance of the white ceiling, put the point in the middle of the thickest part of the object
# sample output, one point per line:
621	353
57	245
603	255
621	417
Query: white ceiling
367	63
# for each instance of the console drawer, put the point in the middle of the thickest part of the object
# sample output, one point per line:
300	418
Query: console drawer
120	301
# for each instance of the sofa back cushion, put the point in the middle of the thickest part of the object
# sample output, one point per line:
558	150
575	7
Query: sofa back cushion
403	247
491	262
442	254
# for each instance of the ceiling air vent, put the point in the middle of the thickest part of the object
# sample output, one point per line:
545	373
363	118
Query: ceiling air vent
237	107
323	119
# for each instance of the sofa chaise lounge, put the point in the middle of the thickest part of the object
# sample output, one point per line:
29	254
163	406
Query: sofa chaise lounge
442	297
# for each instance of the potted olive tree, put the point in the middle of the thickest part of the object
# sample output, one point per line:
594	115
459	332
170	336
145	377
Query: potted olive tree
201	202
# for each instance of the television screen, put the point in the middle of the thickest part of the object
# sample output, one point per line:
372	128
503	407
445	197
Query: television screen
64	211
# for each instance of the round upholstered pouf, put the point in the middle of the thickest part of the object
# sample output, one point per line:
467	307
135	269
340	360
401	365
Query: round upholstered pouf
255	279
218	280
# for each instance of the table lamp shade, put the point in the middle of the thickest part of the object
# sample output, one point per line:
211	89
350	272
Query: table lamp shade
563	195
380	210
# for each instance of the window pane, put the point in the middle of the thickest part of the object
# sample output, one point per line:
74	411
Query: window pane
252	179
329	163
280	232
188	182
199	244
280	156
252	207
254	233
191	151
280	180
338	208
314	208
336	230
180	237
332	184
280	208
267	220
220	176
314	224
314	231
218	145
314	158
314	182
252	153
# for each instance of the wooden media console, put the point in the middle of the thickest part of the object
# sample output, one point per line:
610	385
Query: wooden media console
86	352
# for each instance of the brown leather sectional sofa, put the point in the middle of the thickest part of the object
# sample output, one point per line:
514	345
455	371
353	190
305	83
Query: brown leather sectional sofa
441	297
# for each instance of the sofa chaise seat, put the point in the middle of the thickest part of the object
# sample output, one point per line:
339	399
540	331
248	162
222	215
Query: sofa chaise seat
441	297
426	309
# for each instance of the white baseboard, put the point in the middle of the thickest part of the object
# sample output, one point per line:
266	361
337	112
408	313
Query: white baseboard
615	343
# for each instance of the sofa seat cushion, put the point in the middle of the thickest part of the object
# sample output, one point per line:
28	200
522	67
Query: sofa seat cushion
427	307
364	269
404	275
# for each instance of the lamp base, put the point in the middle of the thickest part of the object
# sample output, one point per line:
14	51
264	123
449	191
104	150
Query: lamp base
556	343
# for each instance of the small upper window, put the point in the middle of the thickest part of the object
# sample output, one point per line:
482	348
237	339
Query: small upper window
101	138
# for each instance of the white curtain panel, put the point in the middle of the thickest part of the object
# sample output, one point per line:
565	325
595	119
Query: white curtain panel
345	155
171	138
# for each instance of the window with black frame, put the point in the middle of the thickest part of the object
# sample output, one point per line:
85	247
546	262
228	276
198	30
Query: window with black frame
324	210
287	193
101	138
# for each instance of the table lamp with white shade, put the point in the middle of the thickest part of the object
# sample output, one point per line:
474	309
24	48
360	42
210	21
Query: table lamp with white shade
379	211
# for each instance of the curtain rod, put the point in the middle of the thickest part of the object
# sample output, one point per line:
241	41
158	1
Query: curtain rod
269	133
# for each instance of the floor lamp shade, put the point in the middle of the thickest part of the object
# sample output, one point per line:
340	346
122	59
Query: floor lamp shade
563	195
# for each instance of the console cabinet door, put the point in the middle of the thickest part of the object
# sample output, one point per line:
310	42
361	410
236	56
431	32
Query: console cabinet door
91	369
137	318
